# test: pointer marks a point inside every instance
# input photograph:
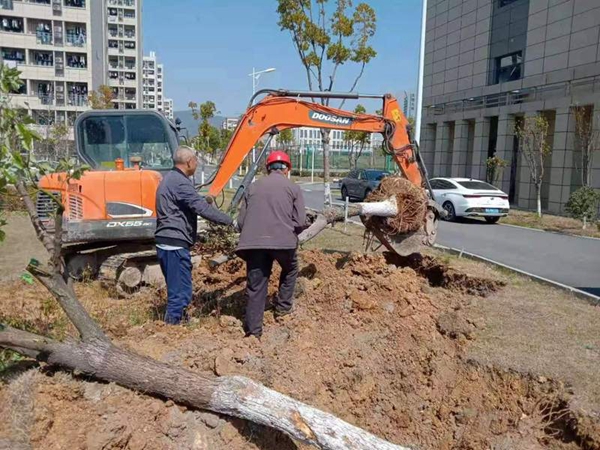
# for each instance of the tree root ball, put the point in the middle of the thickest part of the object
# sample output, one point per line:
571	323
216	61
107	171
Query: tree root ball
412	206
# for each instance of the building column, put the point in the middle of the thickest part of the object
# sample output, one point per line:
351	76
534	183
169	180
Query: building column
505	147
561	160
441	145
459	150
596	162
427	144
480	148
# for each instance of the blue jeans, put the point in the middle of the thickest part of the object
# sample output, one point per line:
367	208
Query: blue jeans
176	266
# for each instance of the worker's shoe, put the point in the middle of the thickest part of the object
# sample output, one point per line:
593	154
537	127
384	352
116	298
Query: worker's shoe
279	313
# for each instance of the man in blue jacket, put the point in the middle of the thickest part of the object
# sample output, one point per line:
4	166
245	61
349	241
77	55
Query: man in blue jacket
178	206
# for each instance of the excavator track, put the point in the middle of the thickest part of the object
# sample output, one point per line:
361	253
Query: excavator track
120	274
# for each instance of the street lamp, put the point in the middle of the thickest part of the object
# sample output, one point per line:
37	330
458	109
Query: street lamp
255	76
421	67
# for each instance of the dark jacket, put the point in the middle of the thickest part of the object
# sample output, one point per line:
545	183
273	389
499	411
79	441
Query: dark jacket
178	206
272	214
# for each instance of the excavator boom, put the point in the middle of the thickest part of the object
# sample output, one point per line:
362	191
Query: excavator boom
281	109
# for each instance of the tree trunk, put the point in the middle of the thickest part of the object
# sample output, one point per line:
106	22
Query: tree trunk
538	194
232	395
325	143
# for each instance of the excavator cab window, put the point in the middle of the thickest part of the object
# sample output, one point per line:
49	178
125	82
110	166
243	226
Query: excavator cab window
103	137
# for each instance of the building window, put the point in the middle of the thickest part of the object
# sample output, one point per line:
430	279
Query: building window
13	54
508	68
43	58
75	3
502	3
11	24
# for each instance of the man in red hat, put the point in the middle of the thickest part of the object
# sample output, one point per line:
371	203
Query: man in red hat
272	214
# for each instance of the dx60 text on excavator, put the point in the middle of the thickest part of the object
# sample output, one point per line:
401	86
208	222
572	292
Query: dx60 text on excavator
110	217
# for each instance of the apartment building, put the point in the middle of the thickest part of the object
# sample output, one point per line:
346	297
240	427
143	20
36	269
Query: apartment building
489	64
48	41
168	109
149	82
67	48
116	34
153	96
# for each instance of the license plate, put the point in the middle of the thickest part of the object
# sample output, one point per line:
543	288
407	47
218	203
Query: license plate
491	210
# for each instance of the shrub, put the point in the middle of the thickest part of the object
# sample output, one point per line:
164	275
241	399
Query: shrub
583	204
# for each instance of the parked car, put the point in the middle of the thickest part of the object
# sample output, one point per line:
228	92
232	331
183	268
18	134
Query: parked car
361	182
465	197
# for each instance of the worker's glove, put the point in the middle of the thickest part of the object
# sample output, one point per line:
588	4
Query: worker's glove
236	226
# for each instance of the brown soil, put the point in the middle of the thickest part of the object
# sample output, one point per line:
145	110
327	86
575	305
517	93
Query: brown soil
381	346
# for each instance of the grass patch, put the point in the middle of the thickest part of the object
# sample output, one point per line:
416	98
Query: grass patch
549	222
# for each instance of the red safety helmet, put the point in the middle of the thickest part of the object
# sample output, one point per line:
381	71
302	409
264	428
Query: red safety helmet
281	157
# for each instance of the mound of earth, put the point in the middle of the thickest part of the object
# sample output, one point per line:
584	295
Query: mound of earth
375	340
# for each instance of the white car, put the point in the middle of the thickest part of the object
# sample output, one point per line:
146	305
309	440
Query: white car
465	197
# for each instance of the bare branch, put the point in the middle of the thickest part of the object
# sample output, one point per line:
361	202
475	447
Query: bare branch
358	77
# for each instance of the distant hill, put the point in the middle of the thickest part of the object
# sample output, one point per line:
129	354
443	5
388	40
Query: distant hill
187	121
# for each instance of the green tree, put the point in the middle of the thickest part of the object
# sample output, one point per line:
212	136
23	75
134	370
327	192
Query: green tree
204	112
494	166
102	98
588	141
356	141
325	39
583	204
286	139
533	145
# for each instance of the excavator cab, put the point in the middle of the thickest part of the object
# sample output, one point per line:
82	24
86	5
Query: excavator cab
141	139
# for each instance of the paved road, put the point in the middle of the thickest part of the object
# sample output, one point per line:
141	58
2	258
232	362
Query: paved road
574	261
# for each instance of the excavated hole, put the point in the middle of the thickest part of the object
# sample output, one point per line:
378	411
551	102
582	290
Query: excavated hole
440	275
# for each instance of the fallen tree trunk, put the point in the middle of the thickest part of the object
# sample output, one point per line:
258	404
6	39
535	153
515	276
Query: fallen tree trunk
231	395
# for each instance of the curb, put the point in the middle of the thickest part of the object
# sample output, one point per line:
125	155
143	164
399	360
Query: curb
590	298
548	231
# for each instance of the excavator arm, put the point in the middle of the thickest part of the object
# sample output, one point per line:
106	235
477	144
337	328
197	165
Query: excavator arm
282	109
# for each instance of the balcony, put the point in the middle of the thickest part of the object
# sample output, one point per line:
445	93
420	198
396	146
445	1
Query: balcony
11	24
76	39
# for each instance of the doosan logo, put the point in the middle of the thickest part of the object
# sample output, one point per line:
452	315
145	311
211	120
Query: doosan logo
330	118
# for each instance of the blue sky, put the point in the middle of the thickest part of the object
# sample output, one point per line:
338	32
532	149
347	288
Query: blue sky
210	46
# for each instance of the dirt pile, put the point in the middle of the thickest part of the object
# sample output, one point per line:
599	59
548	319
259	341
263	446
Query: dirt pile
379	345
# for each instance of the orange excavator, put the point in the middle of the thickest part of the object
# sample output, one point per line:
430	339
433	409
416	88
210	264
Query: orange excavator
110	217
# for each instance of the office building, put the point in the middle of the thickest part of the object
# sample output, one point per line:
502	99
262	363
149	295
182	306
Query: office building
489	64
230	123
308	137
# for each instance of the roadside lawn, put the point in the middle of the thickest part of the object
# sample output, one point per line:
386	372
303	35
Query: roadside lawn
549	222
